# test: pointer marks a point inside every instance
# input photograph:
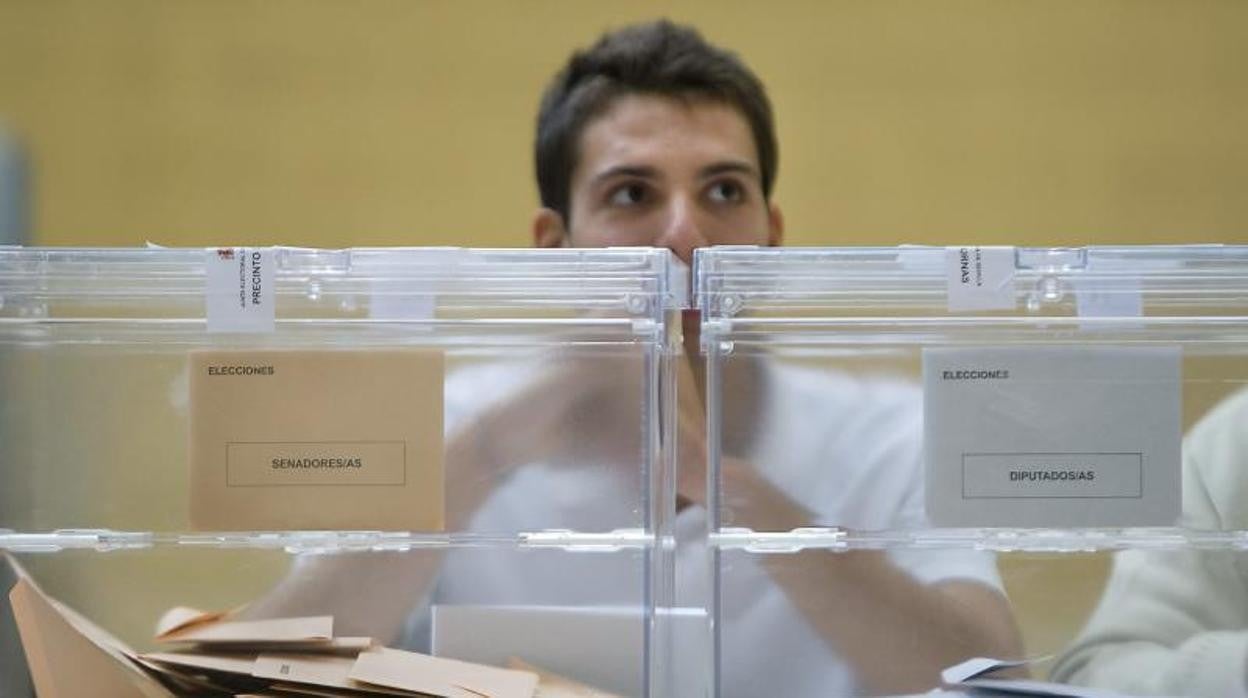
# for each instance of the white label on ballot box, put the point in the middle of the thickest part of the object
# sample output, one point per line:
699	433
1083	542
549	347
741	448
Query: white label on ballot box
238	292
1052	436
979	278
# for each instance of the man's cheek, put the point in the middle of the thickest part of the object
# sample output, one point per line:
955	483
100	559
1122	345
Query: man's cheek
745	227
616	231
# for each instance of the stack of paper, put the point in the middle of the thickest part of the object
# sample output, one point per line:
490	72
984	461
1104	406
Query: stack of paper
212	655
973	678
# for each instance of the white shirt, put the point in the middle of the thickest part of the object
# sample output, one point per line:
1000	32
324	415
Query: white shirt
848	449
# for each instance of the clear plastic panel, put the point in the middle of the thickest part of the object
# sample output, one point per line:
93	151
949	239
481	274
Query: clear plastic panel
518	390
1139	621
844	393
564	615
897	486
465	392
98	436
836	423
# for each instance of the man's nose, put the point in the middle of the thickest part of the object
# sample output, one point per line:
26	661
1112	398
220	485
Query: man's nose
684	230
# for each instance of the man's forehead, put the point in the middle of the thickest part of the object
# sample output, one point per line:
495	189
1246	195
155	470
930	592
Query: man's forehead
658	131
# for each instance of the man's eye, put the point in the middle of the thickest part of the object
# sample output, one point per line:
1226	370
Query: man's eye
628	195
726	192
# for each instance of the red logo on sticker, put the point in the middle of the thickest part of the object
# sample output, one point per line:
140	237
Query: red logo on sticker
225	254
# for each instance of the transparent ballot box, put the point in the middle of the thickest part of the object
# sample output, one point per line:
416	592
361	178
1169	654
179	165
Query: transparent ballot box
436	448
919	456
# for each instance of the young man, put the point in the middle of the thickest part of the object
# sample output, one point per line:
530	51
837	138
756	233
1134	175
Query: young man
654	137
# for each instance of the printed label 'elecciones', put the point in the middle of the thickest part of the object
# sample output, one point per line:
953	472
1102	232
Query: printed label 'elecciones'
317	439
1044	436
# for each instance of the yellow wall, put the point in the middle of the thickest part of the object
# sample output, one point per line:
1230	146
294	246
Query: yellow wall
402	122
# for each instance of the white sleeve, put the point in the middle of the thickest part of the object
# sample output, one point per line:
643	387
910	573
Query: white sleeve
874	441
1176	622
1155	631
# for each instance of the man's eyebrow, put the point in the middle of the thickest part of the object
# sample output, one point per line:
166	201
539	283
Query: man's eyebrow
639	171
728	167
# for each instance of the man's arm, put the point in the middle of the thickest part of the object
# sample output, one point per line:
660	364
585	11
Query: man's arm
1170	623
371	593
896	632
1176	622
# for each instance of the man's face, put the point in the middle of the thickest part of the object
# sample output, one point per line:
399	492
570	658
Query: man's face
667	173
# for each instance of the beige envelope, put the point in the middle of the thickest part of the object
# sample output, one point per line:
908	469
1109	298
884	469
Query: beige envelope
181	617
240	664
294	673
438	676
322	671
312	630
68	656
552	685
179	681
290	689
318	671
316	439
293	689
282	689
184	624
339	646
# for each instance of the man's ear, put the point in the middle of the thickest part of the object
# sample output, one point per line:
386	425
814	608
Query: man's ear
548	229
775	225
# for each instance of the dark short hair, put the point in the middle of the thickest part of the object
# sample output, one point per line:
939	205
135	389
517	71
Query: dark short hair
659	58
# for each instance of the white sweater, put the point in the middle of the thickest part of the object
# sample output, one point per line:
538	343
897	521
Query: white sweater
1176	622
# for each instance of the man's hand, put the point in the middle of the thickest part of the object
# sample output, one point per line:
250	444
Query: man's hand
571	411
896	632
747	497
